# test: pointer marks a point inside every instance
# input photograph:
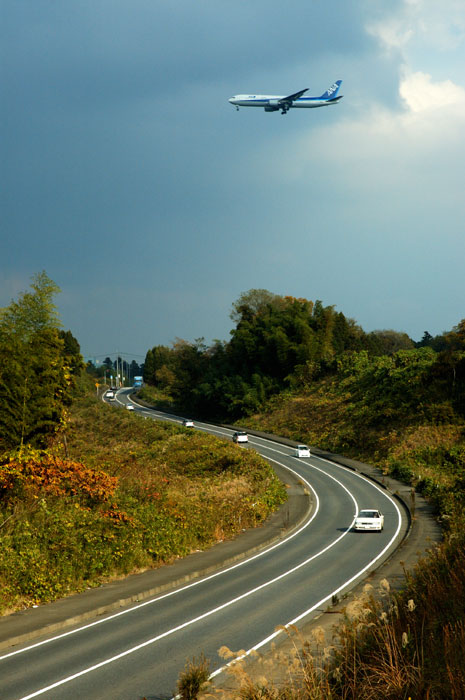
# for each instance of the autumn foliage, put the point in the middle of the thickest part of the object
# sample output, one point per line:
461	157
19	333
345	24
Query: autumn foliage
46	474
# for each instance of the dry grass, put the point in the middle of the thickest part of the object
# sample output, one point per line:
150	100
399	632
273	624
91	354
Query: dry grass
194	679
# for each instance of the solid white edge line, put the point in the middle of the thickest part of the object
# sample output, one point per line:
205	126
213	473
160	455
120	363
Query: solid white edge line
148	642
347	583
231	602
197	582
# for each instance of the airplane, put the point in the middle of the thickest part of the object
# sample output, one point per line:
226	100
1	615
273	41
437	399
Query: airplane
274	103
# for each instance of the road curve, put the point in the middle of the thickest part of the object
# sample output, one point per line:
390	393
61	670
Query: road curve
140	650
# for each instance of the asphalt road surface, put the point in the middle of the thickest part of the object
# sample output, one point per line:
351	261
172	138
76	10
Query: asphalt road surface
140	651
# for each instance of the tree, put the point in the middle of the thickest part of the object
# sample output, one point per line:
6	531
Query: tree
425	341
72	352
36	364
156	359
134	369
390	342
33	311
149	368
456	338
252	303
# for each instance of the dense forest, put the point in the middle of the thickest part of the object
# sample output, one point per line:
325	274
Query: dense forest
282	343
304	371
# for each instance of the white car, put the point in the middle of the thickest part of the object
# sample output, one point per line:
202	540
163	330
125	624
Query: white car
130	407
240	436
110	395
188	423
369	519
302	451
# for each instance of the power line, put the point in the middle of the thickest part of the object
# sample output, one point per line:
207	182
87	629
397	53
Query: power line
115	354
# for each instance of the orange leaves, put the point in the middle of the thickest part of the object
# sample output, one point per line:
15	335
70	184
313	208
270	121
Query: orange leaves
114	513
57	477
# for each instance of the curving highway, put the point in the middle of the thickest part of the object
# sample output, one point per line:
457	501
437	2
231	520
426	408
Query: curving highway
141	650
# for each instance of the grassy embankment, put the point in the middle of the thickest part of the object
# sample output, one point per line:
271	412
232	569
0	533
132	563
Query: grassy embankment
428	455
129	494
407	646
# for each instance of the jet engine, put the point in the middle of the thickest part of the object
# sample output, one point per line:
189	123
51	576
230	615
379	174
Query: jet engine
272	106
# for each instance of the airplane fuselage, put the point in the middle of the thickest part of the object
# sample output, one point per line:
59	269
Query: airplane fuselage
265	101
283	103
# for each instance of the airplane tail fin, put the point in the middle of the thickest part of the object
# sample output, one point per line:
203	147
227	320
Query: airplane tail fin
332	91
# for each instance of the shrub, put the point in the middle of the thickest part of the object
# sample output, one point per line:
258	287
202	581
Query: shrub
193	679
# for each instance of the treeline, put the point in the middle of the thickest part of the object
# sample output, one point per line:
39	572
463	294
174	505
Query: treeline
39	364
278	343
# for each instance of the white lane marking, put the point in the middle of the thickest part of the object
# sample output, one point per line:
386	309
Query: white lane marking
194	620
324	600
231	602
342	467
183	588
211	576
347	583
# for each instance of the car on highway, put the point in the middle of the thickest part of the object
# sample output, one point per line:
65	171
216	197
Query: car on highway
188	423
240	436
302	451
110	395
130	407
369	519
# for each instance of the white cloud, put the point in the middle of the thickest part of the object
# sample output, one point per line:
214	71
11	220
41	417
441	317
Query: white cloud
421	94
441	26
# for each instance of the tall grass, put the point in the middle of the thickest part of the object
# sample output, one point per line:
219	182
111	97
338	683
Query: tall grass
194	679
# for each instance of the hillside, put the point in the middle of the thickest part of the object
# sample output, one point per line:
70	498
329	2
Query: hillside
391	412
114	494
410	645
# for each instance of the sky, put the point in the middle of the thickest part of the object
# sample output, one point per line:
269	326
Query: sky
153	204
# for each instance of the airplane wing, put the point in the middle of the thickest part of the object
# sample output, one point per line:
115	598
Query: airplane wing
291	98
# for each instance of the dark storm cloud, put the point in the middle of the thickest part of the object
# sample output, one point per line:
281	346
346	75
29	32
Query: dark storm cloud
129	178
98	50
